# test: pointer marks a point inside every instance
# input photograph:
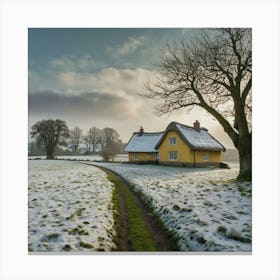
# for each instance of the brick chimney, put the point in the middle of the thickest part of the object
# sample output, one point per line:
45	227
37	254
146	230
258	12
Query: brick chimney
196	126
141	131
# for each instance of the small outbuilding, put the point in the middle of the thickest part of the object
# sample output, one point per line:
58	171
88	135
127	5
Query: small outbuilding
141	146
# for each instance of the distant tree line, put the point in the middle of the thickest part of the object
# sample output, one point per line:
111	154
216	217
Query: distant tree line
53	136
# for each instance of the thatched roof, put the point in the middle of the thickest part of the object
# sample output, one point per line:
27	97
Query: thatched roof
196	140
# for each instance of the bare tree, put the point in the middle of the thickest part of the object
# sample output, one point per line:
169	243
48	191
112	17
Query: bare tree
75	138
87	143
49	133
213	72
110	144
94	135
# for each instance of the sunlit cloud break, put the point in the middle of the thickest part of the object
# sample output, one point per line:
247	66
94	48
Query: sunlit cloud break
128	47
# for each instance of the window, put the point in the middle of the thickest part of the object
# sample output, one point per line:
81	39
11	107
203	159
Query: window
205	156
135	157
172	155
156	155
172	141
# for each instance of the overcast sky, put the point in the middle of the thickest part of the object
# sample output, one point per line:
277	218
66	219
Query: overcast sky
93	77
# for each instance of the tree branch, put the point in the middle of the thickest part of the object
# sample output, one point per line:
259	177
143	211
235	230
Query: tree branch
246	90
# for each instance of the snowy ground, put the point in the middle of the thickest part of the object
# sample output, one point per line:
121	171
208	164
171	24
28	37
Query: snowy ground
119	157
203	207
69	207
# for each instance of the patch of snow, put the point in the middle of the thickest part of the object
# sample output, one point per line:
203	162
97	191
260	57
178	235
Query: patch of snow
69	207
200	140
203	207
119	157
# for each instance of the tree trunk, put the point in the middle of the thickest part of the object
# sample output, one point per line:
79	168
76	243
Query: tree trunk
245	159
50	152
245	172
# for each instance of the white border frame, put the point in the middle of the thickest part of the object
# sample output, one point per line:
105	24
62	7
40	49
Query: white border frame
17	16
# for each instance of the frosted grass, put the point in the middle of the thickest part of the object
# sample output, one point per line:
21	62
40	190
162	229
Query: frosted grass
203	207
69	208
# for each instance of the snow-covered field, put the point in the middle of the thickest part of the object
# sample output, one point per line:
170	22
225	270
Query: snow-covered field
203	207
69	207
119	157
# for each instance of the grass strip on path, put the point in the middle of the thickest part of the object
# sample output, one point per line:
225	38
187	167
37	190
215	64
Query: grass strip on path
136	225
139	236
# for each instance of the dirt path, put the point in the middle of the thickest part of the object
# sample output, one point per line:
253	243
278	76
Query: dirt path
160	239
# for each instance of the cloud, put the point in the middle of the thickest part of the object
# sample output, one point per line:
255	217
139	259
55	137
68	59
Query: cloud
111	81
33	79
107	98
89	105
76	63
128	47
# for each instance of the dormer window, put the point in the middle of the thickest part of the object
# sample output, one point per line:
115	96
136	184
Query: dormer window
172	141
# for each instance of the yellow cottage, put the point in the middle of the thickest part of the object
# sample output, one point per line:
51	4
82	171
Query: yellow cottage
179	144
189	146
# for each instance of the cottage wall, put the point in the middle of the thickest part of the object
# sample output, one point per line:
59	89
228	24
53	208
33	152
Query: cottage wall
141	156
213	156
184	153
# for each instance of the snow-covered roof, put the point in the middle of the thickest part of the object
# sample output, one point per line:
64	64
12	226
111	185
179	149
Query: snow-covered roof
197	140
143	143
